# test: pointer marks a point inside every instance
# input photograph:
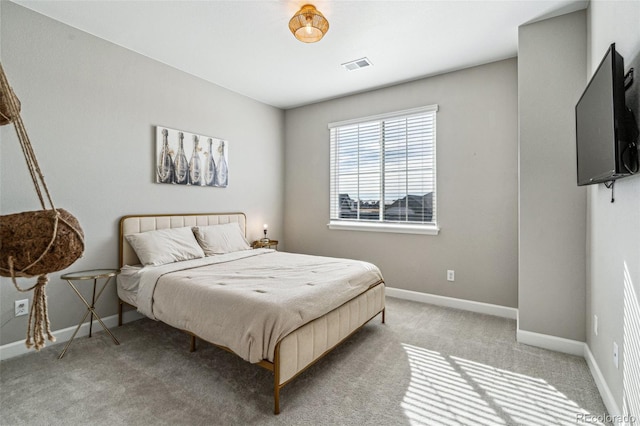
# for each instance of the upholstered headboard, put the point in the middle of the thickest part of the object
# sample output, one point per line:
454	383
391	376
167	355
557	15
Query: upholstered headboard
143	223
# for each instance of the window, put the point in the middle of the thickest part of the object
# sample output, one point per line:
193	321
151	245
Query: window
383	172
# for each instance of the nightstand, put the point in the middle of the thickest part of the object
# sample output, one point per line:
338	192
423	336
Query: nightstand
93	275
263	244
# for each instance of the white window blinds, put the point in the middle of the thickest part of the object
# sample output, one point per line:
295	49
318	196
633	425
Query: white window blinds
383	168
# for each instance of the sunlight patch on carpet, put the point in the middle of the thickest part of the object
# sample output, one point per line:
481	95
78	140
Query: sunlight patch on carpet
448	390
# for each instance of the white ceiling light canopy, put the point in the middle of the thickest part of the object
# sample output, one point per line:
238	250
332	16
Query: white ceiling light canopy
308	24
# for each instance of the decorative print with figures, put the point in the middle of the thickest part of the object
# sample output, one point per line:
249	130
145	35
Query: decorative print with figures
189	159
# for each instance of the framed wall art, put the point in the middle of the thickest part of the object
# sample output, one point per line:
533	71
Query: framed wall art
185	158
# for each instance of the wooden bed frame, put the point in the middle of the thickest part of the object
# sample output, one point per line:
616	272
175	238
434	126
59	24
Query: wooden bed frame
298	350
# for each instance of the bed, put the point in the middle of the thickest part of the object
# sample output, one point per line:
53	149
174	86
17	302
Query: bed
301	306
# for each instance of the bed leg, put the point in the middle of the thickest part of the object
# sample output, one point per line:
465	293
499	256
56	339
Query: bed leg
276	380
276	400
192	347
383	311
119	313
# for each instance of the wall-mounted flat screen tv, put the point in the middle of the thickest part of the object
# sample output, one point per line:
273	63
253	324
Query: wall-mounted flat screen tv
606	131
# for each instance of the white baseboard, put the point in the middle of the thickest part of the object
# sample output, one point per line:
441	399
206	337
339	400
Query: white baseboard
605	392
553	343
14	349
451	302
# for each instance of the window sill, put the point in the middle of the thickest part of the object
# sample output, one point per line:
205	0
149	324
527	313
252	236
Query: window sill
398	228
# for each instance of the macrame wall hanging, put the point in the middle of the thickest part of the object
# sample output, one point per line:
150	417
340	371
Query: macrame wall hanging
35	243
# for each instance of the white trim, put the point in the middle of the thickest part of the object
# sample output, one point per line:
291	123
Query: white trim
14	349
451	302
398	228
554	343
605	392
403	113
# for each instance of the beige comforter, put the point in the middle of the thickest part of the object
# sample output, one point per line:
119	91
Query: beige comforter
248	301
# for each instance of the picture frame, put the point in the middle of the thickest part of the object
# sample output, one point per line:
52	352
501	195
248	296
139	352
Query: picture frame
190	159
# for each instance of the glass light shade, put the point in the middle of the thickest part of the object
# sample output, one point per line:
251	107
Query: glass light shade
308	24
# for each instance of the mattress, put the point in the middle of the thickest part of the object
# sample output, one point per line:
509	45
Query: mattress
128	282
246	301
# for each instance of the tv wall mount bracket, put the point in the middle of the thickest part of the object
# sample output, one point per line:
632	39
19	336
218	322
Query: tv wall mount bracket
629	76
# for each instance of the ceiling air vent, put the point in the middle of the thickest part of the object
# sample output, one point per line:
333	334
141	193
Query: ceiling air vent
357	64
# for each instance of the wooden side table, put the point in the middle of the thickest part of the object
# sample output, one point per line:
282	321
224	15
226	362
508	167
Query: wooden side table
95	275
265	244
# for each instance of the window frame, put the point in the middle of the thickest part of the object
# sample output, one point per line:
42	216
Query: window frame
429	228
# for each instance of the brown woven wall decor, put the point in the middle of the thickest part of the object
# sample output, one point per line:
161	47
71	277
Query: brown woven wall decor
34	244
27	236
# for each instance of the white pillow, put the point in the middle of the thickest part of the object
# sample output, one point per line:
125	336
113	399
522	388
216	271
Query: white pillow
165	246
221	239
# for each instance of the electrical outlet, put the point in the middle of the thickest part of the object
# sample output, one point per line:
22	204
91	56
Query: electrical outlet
451	275
22	307
615	354
595	325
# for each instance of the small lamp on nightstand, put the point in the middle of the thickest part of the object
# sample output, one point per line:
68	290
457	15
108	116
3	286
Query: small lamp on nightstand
265	239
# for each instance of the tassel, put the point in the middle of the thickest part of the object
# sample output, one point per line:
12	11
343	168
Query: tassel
39	326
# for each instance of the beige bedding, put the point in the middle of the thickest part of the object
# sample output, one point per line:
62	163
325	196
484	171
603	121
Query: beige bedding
248	301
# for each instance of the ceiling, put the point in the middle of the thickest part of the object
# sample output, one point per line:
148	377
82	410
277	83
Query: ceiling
246	46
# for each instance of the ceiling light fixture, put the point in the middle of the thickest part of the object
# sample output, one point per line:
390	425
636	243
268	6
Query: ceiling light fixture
308	24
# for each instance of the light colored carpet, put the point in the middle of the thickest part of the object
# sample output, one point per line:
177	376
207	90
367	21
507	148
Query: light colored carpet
427	365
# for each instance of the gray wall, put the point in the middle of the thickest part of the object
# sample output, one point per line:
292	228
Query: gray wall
90	107
552	208
614	229
476	177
